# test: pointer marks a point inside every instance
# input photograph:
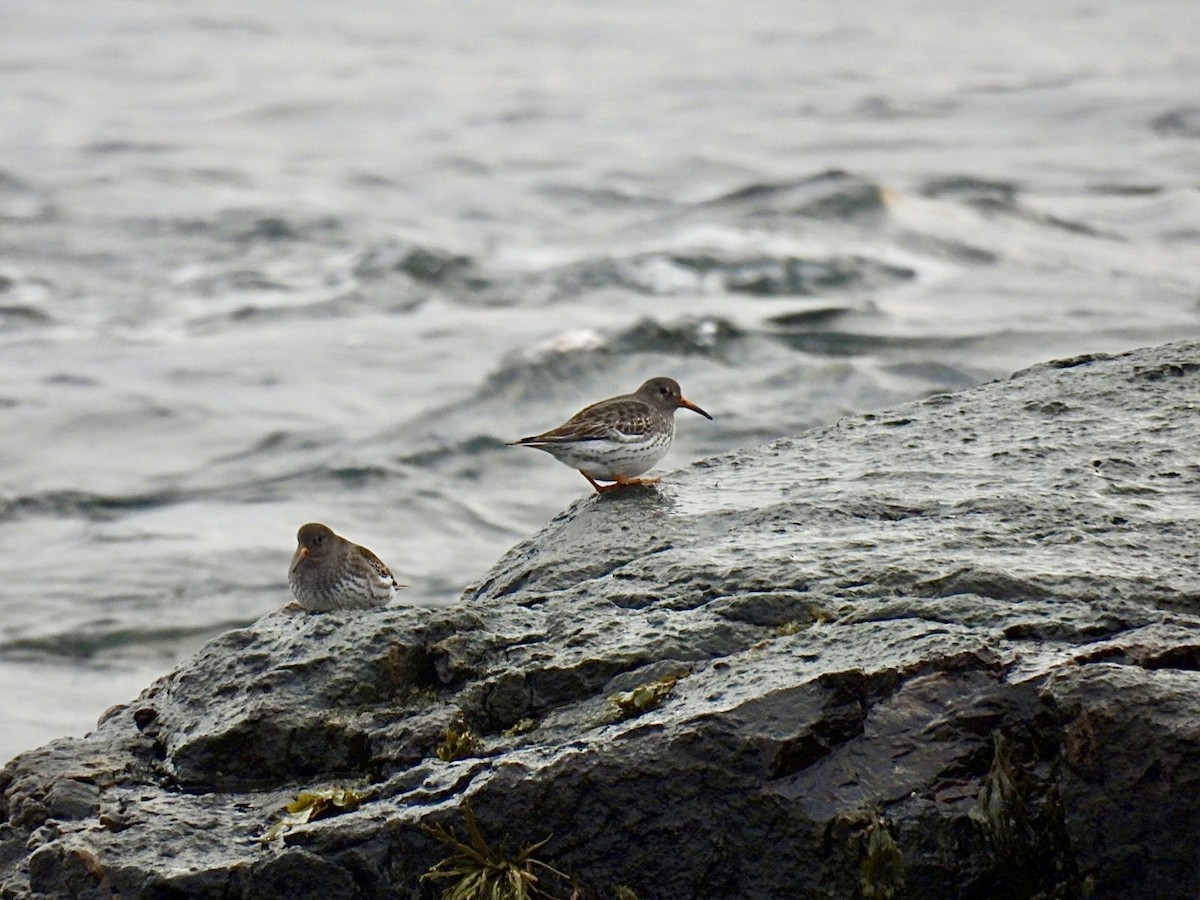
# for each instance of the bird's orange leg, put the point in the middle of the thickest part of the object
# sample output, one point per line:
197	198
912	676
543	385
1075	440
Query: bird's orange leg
600	488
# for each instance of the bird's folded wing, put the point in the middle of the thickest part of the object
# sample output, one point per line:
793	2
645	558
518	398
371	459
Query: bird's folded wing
381	572
619	422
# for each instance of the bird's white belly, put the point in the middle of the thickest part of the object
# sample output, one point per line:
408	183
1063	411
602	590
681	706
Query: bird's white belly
609	460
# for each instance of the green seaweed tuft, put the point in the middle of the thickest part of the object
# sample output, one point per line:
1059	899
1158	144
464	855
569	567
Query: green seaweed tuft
479	871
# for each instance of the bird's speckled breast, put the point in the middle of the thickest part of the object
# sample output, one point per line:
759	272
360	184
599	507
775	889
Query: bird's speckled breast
607	460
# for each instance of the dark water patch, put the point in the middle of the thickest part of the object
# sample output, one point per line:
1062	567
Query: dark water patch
519	376
371	180
1181	235
286	113
999	198
818	317
1113	189
762	276
849	343
20	200
84	644
970	189
113	147
944	375
996	207
646	274
524	375
449	456
18	316
586	199
358	476
218	175
269	228
429	265
1182	122
253	226
81	504
883	108
941	248
830	195
688	337
247	314
273	443
309	478
792	276
344	305
67	379
155	226
235	281
663	273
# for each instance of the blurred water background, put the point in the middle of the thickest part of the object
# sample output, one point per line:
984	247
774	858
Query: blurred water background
269	263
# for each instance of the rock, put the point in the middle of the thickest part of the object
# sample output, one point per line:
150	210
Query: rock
948	651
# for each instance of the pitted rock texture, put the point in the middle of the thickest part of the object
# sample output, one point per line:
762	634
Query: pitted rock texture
946	651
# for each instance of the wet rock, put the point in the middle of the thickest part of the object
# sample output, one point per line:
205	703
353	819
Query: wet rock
69	799
950	650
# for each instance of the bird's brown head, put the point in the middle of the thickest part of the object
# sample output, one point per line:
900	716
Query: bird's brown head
314	540
667	395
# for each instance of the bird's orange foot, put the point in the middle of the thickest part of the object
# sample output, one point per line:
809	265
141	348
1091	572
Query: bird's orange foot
617	483
624	481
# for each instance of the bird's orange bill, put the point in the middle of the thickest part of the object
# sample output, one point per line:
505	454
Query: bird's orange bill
688	404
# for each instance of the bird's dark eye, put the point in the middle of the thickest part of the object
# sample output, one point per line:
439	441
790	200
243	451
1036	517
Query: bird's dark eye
318	539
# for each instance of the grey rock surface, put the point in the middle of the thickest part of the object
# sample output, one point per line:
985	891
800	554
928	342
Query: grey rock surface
949	651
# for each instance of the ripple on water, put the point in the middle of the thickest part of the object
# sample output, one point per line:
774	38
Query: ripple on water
835	194
82	504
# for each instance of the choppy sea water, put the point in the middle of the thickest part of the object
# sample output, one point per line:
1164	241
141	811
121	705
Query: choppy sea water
297	261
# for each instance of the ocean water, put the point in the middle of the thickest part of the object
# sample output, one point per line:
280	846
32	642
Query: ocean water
300	261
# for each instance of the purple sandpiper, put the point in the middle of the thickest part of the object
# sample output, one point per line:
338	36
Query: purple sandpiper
330	572
618	439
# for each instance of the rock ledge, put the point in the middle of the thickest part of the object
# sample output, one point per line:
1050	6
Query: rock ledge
947	651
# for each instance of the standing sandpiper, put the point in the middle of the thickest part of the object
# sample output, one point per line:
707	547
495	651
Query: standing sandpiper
620	438
329	572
